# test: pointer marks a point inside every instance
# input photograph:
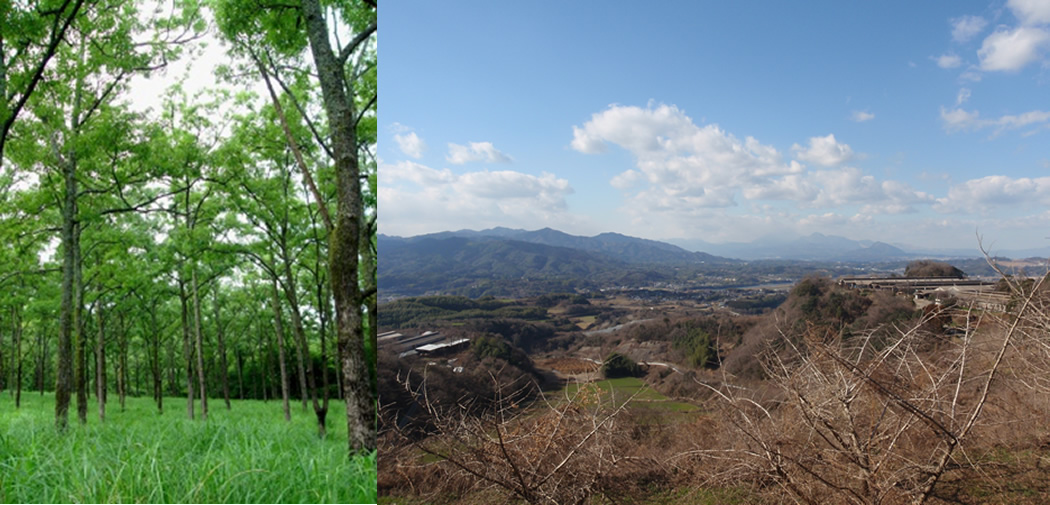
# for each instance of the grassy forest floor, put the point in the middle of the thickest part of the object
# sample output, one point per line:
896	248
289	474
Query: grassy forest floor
247	455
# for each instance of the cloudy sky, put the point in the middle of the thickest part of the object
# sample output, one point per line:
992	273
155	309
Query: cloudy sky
922	123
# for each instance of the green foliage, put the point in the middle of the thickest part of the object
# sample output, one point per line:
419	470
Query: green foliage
243	456
617	365
697	345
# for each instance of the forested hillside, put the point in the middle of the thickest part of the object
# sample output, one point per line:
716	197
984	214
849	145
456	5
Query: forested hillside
217	245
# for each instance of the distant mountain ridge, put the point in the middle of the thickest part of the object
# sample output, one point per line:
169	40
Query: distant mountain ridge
613	245
813	247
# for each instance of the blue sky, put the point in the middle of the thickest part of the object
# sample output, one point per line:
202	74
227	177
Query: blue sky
922	123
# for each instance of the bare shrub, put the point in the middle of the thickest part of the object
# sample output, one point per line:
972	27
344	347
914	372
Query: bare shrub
863	420
564	452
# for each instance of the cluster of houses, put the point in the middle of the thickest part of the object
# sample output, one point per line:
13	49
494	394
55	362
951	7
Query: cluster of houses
428	343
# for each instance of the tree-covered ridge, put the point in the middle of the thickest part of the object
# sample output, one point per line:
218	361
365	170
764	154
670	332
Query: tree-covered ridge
222	245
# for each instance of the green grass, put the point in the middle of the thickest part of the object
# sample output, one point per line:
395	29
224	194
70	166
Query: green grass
246	455
642	396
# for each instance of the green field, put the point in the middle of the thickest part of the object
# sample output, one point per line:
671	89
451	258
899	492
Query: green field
249	455
641	395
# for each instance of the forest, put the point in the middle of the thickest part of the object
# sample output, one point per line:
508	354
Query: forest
188	271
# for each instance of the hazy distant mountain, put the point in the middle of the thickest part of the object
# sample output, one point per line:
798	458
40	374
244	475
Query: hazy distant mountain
815	247
614	245
481	265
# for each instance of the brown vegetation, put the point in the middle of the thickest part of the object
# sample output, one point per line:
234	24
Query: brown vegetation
854	402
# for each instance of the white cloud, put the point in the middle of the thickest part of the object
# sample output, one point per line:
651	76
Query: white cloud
1012	50
476	151
417	199
967	27
685	164
959	119
626	179
850	186
963	96
861	116
948	61
1030	12
411	144
686	173
995	190
824	151
416	173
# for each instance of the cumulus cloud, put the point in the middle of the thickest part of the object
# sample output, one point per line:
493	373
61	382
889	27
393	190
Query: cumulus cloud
685	164
416	173
410	144
861	116
967	27
1030	12
959	119
476	151
824	151
686	174
995	190
948	60
417	199
1011	50
626	179
962	97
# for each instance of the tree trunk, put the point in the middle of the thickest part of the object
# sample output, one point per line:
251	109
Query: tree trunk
64	376
187	349
222	354
240	372
200	350
279	327
303	347
158	392
16	319
122	361
343	249
79	338
100	364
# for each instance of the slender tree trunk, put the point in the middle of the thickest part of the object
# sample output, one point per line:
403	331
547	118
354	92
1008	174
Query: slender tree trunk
200	350
343	249
240	372
16	318
303	349
100	364
158	392
38	373
79	337
187	349
122	362
64	377
222	354
279	328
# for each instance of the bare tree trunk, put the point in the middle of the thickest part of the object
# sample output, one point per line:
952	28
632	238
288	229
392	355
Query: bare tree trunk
16	319
222	354
240	373
81	372
279	327
100	364
200	350
187	349
158	392
122	362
